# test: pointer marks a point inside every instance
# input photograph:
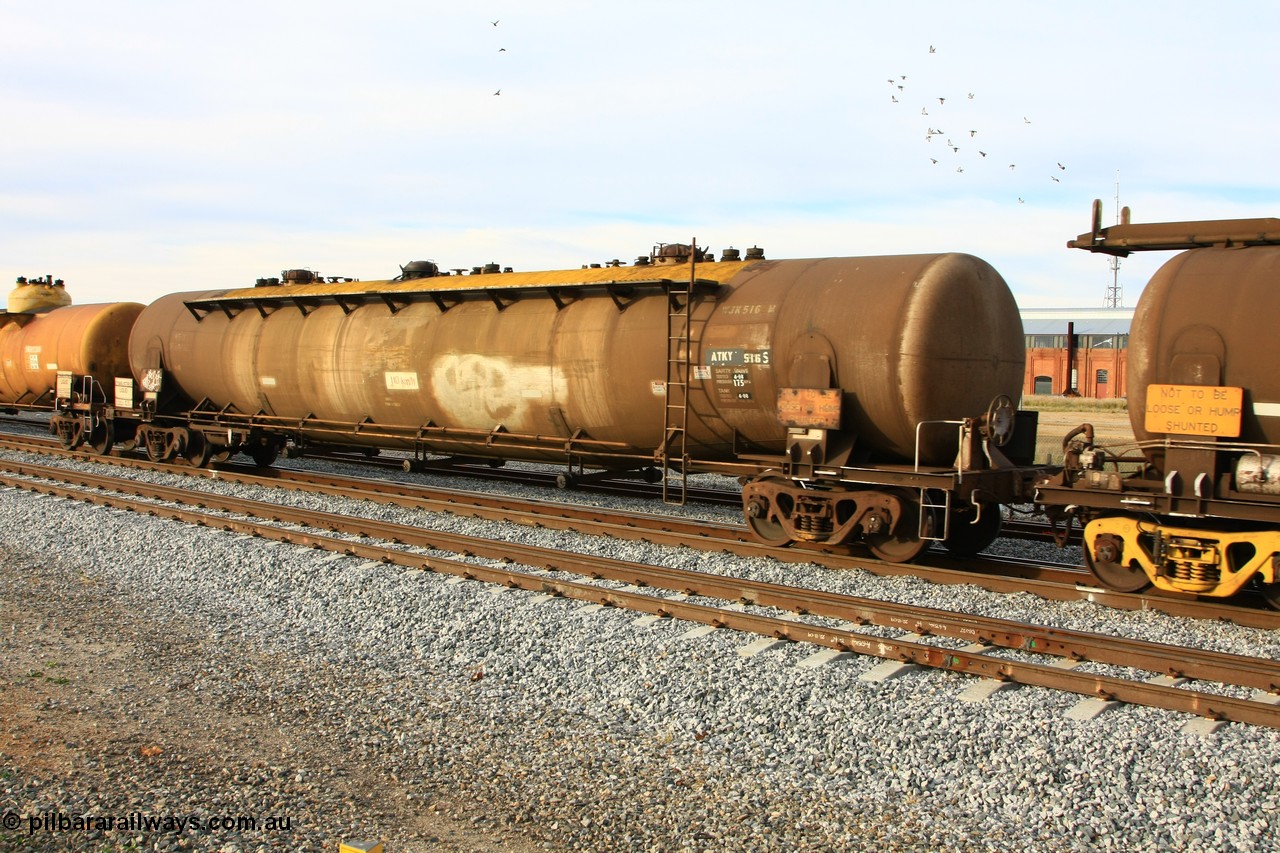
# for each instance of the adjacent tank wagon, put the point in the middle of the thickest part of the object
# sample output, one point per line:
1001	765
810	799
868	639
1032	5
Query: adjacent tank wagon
1196	508
55	356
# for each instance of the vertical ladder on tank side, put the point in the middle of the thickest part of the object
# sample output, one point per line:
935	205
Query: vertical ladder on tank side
675	424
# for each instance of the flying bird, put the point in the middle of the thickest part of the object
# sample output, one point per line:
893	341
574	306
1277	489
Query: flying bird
973	133
1020	201
499	92
1026	120
931	50
495	23
933	161
502	50
1055	179
971	96
923	111
959	168
983	153
894	98
942	100
1060	166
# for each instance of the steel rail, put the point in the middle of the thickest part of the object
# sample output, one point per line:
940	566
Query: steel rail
652	527
1011	528
1003	575
1262	674
996	574
547	479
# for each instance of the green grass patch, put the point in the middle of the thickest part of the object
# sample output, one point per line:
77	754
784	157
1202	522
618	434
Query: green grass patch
1045	403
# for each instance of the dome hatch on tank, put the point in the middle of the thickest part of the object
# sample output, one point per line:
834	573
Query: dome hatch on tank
37	295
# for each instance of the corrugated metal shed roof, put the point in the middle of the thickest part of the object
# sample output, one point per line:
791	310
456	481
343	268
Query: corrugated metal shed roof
1088	321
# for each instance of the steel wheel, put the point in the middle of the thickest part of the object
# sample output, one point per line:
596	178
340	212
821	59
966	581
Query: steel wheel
756	513
199	449
965	539
906	543
1116	575
769	532
264	453
102	438
72	437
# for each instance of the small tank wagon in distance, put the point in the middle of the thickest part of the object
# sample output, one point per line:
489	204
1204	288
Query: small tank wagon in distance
862	399
61	359
1195	506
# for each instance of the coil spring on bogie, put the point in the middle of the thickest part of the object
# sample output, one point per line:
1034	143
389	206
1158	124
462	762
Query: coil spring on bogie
813	517
1199	573
813	524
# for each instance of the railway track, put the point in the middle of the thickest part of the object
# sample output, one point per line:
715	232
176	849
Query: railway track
1013	528
487	470
1049	581
992	648
484	470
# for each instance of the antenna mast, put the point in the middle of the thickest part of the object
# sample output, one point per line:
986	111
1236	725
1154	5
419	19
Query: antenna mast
1115	294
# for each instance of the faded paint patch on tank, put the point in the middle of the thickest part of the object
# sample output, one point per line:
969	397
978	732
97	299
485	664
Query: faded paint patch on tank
480	391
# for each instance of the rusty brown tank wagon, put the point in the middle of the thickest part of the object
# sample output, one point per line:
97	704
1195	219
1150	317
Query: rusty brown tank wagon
847	392
1195	507
59	357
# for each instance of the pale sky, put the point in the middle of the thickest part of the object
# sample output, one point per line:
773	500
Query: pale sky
151	147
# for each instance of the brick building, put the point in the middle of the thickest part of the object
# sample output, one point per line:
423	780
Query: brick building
1080	349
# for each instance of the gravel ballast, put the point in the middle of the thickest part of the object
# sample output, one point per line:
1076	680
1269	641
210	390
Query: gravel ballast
191	671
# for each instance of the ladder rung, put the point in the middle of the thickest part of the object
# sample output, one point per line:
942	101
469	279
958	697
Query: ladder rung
676	407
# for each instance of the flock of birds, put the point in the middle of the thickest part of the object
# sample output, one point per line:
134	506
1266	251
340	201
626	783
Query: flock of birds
946	144
500	50
943	141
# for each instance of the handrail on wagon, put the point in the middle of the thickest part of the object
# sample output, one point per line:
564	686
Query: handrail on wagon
267	300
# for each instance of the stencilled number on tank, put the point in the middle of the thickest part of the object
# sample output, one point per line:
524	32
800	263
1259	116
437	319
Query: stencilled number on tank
734	384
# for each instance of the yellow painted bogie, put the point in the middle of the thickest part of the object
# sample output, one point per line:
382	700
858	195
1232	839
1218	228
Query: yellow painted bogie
1203	562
